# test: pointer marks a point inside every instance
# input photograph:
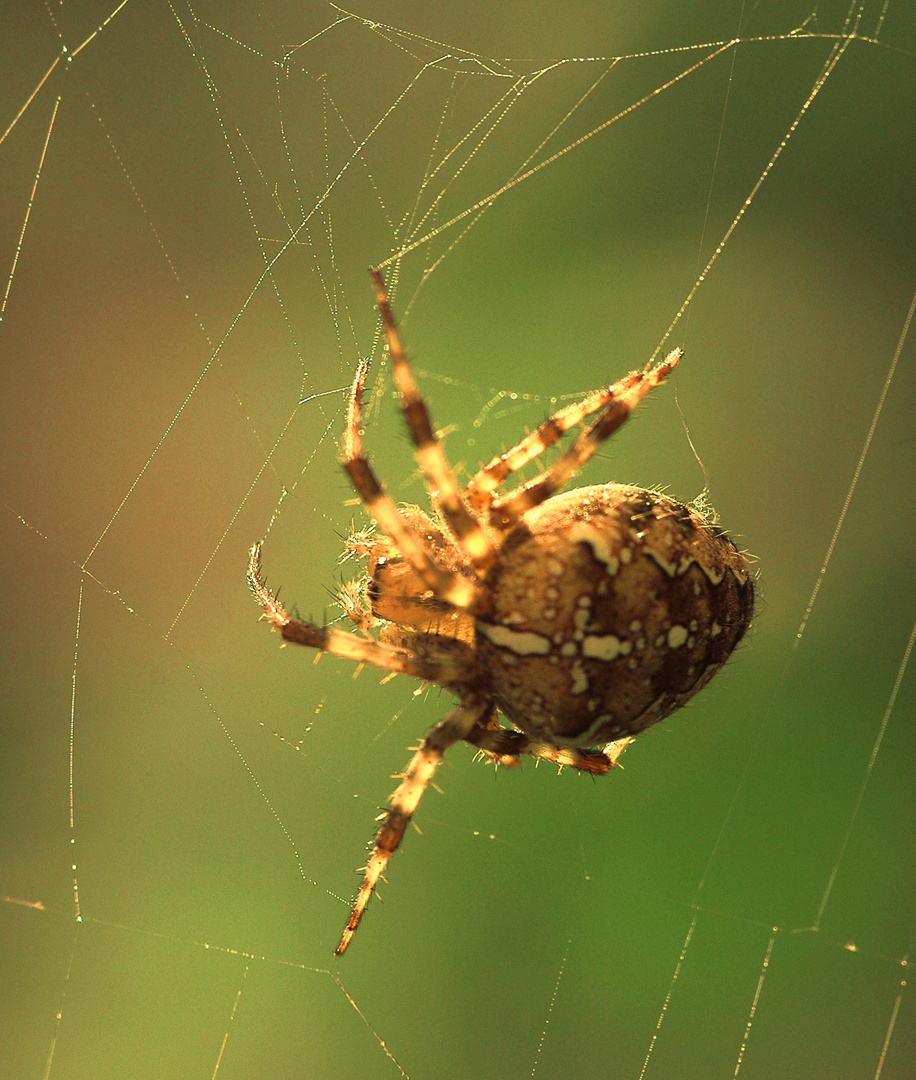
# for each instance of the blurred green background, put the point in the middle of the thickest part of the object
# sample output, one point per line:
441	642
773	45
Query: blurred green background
739	900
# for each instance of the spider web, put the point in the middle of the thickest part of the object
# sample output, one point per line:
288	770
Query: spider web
191	196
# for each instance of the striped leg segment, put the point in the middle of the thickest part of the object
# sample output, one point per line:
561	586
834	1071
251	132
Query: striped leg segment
457	590
505	747
467	529
507	510
414	781
491	476
448	661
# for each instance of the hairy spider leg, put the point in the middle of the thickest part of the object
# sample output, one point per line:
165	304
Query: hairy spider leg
403	803
447	585
505	747
495	473
467	529
507	510
448	661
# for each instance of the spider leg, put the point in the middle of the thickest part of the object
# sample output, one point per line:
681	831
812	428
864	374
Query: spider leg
506	746
467	529
501	745
492	475
506	511
445	660
446	584
404	802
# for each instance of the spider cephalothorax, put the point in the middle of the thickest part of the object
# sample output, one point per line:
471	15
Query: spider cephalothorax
583	617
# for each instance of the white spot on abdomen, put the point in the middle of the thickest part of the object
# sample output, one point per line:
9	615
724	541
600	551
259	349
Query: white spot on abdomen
580	679
605	647
520	642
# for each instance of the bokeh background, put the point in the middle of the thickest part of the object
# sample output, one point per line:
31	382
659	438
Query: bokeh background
184	803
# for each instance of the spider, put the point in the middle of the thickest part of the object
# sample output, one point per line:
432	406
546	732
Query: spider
583	617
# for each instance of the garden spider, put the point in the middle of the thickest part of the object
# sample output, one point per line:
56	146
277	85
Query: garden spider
583	617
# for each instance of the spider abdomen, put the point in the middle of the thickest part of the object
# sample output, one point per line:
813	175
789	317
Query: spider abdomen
612	607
